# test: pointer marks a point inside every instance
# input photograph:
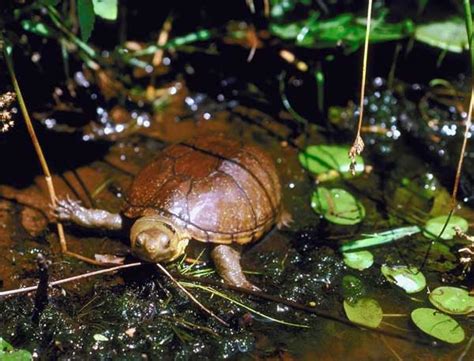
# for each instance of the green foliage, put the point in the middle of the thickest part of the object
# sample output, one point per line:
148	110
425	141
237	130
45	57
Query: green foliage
366	311
337	206
86	16
8	353
438	325
360	260
408	278
449	34
352	288
345	29
453	300
106	9
320	159
435	225
377	239
37	28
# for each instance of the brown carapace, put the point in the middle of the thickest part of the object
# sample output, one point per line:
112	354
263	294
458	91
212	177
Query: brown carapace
217	189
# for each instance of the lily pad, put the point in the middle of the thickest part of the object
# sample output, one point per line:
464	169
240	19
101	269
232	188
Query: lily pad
366	311
448	35
453	300
359	260
352	288
8	353
408	278
337	206
320	159
438	325
435	225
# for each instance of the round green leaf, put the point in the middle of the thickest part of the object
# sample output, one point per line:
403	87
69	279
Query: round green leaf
435	225
323	158
438	325
358	260
337	206
352	288
453	300
408	278
366	311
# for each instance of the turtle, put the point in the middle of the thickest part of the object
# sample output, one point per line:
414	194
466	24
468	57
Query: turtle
212	189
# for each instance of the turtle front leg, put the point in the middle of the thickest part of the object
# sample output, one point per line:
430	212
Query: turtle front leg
227	262
69	210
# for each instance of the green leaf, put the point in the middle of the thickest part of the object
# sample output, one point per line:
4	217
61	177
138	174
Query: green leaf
37	28
5	346
19	355
453	300
106	9
366	311
8	353
435	225
448	34
320	159
408	278
438	325
358	260
376	239
86	15
100	338
337	206
352	288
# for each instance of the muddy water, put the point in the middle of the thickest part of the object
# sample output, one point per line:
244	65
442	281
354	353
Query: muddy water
140	314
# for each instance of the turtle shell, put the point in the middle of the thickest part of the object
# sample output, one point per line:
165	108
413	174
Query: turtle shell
216	189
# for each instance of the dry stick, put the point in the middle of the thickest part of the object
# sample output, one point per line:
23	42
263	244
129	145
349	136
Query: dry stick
70	279
189	294
41	157
358	145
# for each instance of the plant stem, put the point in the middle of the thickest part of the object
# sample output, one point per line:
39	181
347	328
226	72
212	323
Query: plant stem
39	151
358	145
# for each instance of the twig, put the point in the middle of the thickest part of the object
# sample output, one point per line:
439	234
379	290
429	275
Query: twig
194	299
358	145
70	279
39	152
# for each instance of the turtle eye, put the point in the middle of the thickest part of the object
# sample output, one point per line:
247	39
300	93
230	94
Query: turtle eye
140	241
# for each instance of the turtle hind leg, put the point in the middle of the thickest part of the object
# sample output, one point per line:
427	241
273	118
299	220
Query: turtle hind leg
227	262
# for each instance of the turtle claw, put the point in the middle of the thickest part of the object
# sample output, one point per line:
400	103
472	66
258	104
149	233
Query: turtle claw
67	209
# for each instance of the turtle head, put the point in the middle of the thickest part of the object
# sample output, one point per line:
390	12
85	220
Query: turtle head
156	239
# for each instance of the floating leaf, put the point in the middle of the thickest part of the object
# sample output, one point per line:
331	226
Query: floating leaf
359	260
448	35
100	338
5	346
376	239
352	288
320	159
438	325
408	278
435	225
366	311
453	300
86	15
8	353
106	9
337	206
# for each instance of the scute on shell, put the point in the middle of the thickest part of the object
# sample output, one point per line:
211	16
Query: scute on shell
216	188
